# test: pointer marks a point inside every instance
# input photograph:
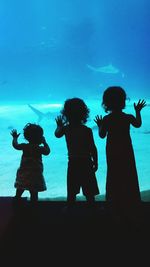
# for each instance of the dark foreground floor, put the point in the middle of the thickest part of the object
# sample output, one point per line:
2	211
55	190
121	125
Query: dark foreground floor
47	235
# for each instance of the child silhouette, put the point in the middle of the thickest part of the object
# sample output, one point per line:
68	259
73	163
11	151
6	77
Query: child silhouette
122	187
82	152
30	173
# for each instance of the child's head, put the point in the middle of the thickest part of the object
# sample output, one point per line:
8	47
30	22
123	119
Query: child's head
75	111
114	98
33	133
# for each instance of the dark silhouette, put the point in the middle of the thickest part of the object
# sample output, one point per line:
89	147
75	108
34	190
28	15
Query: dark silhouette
30	173
122	187
82	152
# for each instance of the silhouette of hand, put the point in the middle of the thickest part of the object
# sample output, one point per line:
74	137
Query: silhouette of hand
59	121
14	133
141	104
98	120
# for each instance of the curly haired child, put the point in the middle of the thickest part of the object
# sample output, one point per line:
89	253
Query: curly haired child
29	175
82	151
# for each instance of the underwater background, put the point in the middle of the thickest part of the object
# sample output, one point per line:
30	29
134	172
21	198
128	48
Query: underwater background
53	50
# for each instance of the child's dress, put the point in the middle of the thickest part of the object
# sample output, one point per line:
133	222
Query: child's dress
30	173
122	185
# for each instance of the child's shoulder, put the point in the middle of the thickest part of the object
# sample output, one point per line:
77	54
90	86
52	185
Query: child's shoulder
127	115
107	117
113	114
85	127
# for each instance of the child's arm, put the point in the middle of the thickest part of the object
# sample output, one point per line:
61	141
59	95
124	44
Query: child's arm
95	158
137	120
45	149
101	126
94	153
59	132
15	136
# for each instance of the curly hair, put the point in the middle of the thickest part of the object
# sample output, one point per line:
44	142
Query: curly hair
75	111
33	133
114	98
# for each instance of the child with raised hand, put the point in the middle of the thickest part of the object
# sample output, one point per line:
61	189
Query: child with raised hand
122	186
82	152
29	175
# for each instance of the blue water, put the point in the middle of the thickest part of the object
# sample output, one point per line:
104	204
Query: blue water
45	50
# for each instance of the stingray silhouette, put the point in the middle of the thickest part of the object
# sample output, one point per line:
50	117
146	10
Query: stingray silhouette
41	115
110	69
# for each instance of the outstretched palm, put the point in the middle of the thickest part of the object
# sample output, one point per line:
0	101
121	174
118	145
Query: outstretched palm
141	104
98	120
59	121
14	133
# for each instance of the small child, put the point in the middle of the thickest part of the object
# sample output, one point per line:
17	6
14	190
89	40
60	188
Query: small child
82	152
122	187
30	173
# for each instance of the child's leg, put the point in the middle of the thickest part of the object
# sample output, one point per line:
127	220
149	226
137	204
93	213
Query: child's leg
19	193
90	200
33	196
71	199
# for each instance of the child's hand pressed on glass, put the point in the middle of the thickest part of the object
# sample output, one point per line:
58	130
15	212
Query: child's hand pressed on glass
98	120
59	121
14	133
141	104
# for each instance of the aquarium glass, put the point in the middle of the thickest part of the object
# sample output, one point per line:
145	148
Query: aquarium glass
54	50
